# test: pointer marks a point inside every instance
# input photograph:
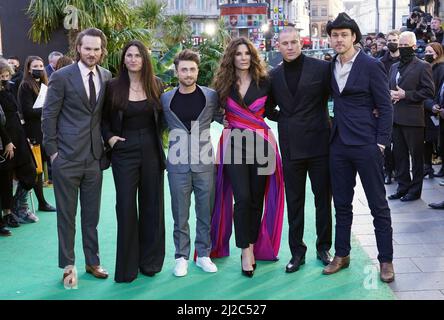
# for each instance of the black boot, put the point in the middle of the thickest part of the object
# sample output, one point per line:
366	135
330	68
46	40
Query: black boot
21	207
38	189
428	170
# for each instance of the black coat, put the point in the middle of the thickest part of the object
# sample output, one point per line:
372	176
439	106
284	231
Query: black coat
112	122
303	120
388	60
431	133
417	81
32	117
13	130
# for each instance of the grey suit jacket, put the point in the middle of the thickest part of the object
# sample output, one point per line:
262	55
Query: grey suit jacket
191	150
70	126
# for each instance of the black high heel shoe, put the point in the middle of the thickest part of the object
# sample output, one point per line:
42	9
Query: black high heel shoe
247	273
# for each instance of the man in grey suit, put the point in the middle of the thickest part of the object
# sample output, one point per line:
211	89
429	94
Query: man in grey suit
71	135
189	111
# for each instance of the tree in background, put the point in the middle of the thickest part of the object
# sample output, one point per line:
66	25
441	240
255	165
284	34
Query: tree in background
163	35
114	17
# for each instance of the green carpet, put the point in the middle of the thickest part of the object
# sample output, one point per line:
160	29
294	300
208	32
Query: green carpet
28	266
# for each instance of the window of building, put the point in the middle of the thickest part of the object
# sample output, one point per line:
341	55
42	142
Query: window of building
198	28
179	4
201	5
314	11
324	11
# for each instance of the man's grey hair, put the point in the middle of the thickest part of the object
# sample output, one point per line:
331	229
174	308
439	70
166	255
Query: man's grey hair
54	54
410	36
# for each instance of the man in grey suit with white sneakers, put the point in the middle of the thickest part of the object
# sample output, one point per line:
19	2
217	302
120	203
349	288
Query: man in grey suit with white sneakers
189	110
71	135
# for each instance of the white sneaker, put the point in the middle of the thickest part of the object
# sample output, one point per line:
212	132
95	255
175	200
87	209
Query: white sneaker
206	264
181	268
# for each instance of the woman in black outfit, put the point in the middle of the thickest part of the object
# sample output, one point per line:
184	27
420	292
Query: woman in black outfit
132	126
17	158
434	54
34	77
4	232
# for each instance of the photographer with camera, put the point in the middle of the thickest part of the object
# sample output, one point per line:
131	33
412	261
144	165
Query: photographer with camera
420	24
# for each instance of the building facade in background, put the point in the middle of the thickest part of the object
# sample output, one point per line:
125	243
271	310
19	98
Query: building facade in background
261	20
376	16
203	14
321	12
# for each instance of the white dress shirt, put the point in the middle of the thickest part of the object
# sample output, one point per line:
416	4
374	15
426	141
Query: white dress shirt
84	71
342	71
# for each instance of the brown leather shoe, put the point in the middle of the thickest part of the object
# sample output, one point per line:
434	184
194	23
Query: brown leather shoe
97	271
337	264
387	272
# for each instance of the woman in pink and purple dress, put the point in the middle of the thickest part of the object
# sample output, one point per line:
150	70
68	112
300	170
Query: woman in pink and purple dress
249	165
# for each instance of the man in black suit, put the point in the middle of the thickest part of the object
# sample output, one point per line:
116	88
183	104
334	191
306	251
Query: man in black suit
411	83
391	57
300	86
359	88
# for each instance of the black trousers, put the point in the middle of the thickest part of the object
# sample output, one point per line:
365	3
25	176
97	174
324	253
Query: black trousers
295	174
409	142
366	160
139	186
248	190
389	161
25	174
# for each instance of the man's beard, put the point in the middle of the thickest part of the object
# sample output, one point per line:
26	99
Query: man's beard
185	84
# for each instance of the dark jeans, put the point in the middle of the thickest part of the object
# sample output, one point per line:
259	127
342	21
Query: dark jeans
366	160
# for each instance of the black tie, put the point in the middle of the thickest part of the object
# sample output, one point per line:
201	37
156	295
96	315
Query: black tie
92	90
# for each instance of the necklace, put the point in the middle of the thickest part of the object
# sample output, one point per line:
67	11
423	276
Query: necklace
140	89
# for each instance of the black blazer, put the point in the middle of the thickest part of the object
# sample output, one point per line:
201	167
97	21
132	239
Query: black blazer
112	122
438	78
32	117
303	121
417	81
13	130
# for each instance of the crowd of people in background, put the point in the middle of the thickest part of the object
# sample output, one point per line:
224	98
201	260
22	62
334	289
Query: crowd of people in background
398	97
20	130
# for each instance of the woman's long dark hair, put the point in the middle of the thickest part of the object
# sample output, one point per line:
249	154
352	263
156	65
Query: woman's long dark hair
121	84
28	79
226	76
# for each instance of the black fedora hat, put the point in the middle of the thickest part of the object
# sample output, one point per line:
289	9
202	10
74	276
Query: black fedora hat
343	21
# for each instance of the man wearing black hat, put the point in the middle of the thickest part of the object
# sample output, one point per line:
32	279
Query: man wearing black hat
359	85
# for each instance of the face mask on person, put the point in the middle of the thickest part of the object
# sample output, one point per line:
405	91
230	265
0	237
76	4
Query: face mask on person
407	54
37	74
429	58
392	46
